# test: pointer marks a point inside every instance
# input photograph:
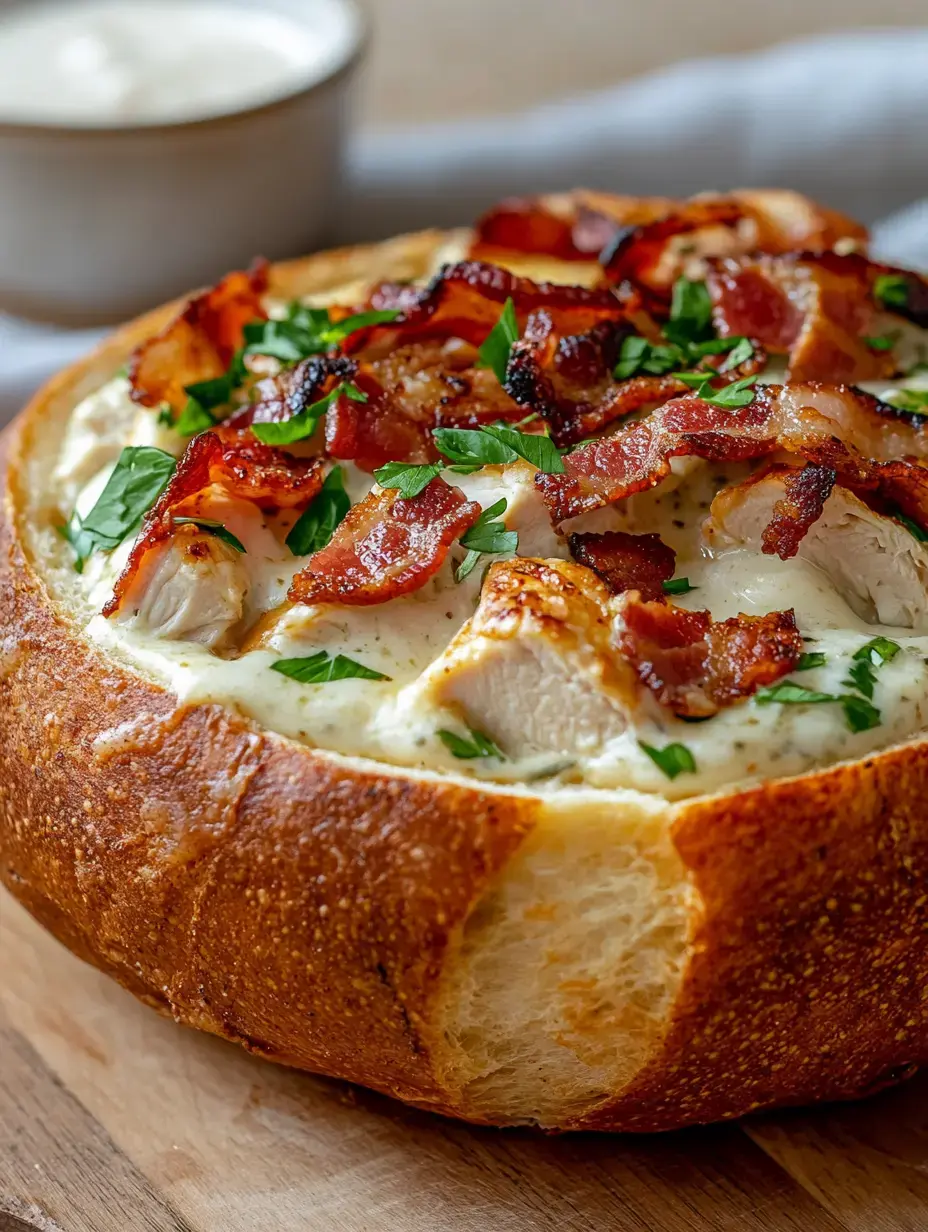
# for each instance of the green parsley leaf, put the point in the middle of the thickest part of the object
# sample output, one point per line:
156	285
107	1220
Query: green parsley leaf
860	714
317	524
478	745
678	586
892	290
862	677
540	451
878	650
306	331
883	342
695	380
409	480
673	759
737	394
210	394
486	537
810	659
472	448
690	313
194	419
914	401
788	693
740	353
321	668
495	351
497	444
631	356
216	529
302	425
166	417
140	476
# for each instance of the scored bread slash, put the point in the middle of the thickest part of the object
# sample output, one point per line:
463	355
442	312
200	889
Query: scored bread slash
531	726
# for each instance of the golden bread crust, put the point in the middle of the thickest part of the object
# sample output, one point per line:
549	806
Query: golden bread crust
313	909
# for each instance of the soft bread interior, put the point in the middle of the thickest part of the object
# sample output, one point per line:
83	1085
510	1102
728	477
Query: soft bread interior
569	965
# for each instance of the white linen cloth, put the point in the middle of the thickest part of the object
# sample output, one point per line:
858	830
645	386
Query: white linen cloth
841	118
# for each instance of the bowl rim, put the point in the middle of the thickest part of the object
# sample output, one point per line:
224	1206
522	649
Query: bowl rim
29	129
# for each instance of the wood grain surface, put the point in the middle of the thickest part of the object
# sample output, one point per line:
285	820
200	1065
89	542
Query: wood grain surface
113	1119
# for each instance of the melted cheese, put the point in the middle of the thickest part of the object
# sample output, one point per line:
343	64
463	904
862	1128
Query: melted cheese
392	721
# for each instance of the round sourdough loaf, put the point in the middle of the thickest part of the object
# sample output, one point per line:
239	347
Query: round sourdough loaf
586	959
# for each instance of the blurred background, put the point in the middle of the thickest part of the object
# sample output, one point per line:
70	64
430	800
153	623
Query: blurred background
443	109
437	60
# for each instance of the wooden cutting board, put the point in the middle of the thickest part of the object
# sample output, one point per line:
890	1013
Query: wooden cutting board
115	1120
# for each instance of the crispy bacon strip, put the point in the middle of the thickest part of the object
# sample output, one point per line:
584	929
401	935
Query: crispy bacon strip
817	307
805	491
386	547
569	226
626	562
293	390
647	260
411	391
694	665
465	300
199	343
831	425
569	382
235	460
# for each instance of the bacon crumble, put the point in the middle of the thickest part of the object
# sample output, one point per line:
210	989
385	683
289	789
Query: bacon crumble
198	345
626	562
386	547
233	459
695	666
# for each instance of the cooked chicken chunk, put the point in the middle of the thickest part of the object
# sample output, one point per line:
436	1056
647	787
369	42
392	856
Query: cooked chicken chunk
877	565
534	667
191	588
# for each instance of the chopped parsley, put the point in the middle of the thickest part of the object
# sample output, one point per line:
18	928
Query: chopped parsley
892	290
913	401
495	350
811	659
673	759
859	710
192	420
409	480
306	331
216	529
688	340
304	423
690	313
678	586
317	524
322	668
788	693
466	749
883	342
486	537
139	477
497	444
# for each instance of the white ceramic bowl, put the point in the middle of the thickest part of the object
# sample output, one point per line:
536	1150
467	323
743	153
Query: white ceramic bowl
98	223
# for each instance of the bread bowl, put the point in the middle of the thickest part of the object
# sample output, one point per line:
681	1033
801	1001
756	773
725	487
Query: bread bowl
549	915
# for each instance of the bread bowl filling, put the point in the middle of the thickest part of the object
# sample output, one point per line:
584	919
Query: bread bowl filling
510	601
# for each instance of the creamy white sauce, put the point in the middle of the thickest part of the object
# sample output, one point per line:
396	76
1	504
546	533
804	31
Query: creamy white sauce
395	722
155	61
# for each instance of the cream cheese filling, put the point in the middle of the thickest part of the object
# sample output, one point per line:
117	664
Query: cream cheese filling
395	721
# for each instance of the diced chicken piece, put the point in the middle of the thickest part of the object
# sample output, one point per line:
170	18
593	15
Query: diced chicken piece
534	667
525	510
191	588
876	564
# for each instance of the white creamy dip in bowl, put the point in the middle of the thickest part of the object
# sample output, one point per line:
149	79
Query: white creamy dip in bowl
150	145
